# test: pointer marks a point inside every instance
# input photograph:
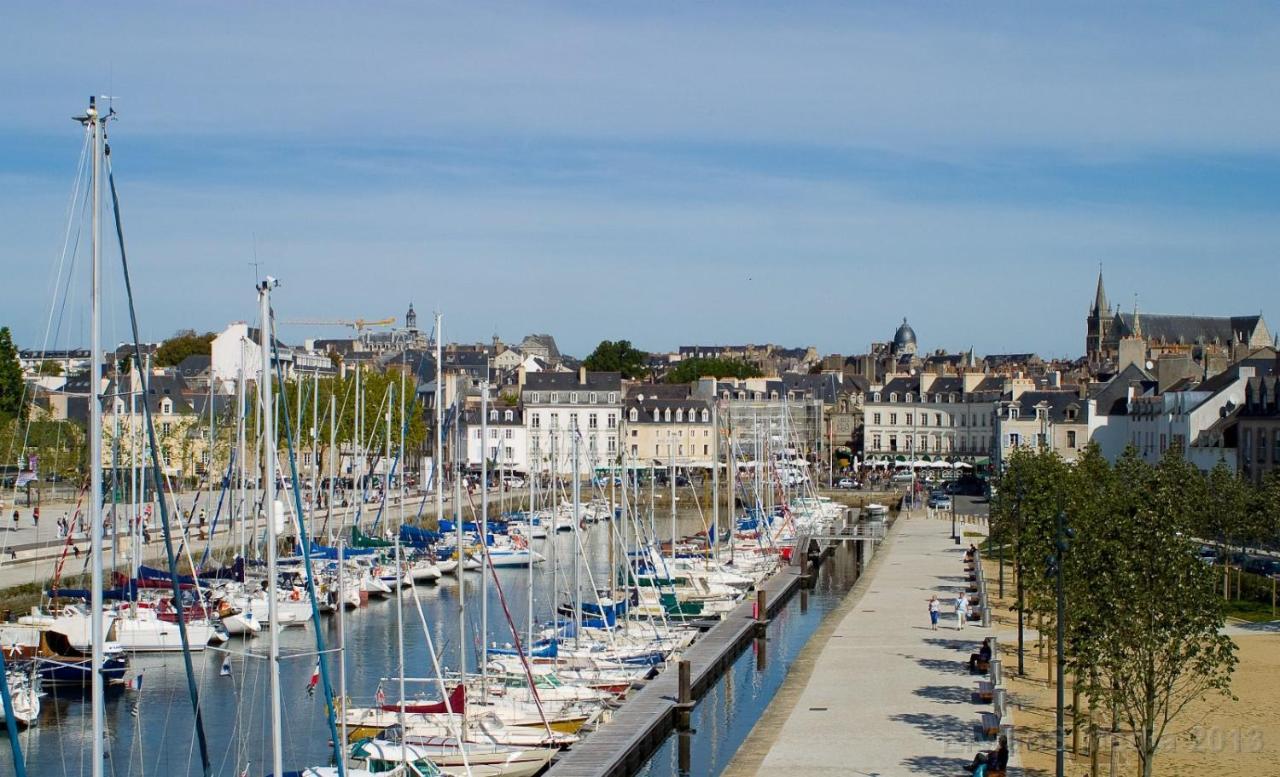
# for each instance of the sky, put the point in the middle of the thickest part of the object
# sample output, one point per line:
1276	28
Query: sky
669	173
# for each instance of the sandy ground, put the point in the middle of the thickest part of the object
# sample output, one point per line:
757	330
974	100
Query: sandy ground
1215	735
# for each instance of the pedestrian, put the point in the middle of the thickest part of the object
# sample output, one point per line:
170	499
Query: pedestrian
75	549
962	610
15	519
35	516
935	609
202	516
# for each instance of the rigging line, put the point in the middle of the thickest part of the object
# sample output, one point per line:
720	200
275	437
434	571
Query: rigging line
192	688
305	541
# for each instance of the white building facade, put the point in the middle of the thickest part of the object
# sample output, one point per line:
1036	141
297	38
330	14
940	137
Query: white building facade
566	412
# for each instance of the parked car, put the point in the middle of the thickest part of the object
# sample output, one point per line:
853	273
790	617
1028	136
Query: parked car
511	481
940	501
848	483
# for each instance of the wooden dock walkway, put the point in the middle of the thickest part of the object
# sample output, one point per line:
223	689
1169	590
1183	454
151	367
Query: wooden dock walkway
621	746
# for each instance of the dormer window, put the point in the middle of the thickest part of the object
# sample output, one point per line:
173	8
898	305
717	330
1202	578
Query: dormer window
166	406
668	414
555	397
679	415
573	397
952	396
633	415
493	415
893	396
908	396
875	397
1013	412
533	396
613	398
509	415
706	416
593	398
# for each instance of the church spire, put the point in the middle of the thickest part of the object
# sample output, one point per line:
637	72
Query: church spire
1137	320
1100	306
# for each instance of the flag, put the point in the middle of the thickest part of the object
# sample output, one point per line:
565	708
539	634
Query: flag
225	671
245	773
380	698
135	683
315	679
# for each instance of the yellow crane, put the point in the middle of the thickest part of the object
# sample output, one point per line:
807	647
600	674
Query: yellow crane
358	324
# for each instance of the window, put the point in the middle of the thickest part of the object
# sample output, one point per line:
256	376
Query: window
592	398
893	442
613	398
1275	451
509	415
875	442
555	420
611	420
634	433
634	452
656	450
893	396
875	397
679	415
165	427
1013	413
613	444
875	418
591	421
668	415
573	421
706	416
166	406
536	421
937	418
509	453
679	450
573	397
555	397
910	419
533	396
893	419
633	415
1071	439
924	419
475	434
493	415
1040	440
493	434
506	434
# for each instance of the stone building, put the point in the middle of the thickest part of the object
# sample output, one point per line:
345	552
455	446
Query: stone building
1258	428
561	407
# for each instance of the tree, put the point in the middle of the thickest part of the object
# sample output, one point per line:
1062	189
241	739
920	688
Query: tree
12	390
689	370
183	344
49	367
1156	637
618	356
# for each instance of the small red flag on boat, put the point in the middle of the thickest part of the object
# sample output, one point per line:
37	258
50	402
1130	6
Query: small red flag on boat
315	679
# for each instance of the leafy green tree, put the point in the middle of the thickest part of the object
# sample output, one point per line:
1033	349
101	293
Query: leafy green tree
1158	645
12	398
183	344
50	367
689	370
618	356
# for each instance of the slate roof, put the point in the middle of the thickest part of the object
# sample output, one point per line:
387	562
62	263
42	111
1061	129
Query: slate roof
1058	402
1112	396
652	404
543	341
1188	329
568	381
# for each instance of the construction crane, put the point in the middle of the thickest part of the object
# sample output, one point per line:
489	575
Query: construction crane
358	324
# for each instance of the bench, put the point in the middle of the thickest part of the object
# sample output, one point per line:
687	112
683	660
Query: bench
986	691
990	725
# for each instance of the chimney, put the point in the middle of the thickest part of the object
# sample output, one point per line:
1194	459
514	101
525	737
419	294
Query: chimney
582	376
971	381
520	376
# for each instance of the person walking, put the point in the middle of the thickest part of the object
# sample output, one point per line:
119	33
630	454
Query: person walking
15	519
935	609
962	610
35	516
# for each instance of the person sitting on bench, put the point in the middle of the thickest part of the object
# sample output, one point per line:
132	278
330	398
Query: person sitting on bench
971	552
983	655
993	760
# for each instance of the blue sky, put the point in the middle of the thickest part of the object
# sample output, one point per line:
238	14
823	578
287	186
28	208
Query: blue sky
670	172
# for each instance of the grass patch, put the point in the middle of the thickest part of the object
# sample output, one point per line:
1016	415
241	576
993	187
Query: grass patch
1254	612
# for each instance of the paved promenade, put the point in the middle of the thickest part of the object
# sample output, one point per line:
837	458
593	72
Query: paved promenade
884	694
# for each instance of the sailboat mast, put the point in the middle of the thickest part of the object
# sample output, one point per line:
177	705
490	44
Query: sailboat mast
404	751
96	621
458	570
333	453
484	537
437	464
269	476
342	628
577	539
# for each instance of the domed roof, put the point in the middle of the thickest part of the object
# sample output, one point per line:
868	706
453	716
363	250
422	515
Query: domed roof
904	337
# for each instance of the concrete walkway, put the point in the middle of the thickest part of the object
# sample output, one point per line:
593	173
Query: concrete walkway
886	695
